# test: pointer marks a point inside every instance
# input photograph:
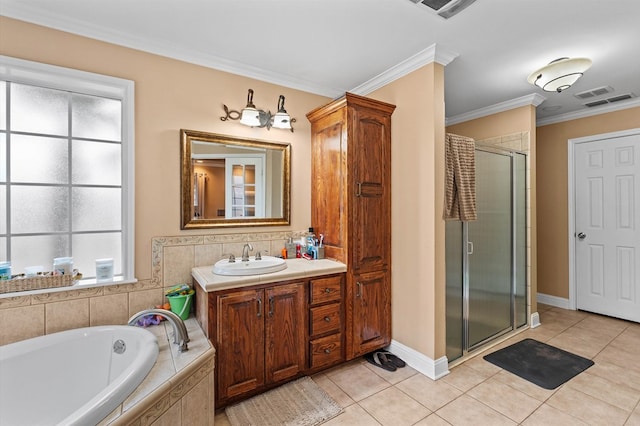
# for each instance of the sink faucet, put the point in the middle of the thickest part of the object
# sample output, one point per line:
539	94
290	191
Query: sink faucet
180	335
245	252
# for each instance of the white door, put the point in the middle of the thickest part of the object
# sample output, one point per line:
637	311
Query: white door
244	187
607	222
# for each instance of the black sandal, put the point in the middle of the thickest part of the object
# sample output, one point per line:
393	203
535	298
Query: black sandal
379	359
395	359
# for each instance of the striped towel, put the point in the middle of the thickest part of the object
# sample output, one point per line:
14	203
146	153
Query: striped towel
460	179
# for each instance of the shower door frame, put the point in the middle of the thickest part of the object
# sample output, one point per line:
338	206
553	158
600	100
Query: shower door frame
466	348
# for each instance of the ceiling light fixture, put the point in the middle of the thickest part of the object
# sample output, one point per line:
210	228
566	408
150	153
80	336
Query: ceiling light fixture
254	117
560	74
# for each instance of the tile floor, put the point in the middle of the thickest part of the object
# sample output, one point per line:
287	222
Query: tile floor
479	393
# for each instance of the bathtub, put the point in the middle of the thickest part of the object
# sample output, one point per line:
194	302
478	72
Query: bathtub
74	377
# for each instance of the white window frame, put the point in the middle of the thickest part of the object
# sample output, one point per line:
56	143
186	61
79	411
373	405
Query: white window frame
55	77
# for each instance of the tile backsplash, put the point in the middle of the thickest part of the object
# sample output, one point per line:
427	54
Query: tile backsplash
32	315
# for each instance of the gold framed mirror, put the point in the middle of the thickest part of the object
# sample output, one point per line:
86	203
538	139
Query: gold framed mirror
231	182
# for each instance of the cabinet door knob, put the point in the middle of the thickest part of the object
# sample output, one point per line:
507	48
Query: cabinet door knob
327	319
358	289
327	351
259	308
327	290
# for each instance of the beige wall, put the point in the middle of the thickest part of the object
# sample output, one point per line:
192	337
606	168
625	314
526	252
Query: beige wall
170	95
417	158
553	244
522	119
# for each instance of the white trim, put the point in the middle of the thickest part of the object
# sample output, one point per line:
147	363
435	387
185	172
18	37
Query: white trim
55	77
618	106
571	143
420	362
558	302
534	99
432	53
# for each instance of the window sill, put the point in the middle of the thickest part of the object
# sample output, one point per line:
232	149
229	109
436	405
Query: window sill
82	284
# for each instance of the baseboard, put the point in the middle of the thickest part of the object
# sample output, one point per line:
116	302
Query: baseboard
434	369
558	302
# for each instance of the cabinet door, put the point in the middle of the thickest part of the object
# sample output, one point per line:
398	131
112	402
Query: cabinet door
371	323
328	181
240	342
285	331
370	163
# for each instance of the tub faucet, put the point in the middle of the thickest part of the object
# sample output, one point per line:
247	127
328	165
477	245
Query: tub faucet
245	252
180	335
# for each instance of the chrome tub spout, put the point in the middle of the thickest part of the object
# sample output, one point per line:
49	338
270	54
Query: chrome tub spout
180	335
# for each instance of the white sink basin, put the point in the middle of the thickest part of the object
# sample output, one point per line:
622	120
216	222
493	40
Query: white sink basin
266	265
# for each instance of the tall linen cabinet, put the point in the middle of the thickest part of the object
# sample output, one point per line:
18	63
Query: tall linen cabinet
351	208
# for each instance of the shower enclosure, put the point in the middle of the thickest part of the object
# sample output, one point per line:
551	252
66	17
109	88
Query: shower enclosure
487	258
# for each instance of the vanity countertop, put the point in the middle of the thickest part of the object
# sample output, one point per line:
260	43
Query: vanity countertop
296	268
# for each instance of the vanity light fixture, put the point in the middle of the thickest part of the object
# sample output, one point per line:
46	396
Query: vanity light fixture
254	117
560	74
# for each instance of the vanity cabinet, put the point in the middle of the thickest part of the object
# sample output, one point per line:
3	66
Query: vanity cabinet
351	207
268	334
260	337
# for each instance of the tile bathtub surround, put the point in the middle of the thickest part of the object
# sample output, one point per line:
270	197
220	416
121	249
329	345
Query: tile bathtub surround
32	315
477	392
178	390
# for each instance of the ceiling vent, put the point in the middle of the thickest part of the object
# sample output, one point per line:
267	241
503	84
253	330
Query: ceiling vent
610	100
592	93
445	8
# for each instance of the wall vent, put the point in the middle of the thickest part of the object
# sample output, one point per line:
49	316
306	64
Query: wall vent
445	8
592	93
610	100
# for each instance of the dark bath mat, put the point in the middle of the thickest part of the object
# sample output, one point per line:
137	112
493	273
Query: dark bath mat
539	363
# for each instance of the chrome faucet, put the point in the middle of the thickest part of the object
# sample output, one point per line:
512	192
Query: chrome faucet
245	252
180	335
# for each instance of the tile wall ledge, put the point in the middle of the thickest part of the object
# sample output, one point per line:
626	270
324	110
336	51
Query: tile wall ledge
77	291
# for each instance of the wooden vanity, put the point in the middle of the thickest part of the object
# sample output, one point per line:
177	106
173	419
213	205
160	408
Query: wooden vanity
269	329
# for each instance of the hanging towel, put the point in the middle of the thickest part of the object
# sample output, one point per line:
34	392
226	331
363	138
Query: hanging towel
460	179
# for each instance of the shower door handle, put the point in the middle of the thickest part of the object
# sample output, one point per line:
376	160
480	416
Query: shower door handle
469	247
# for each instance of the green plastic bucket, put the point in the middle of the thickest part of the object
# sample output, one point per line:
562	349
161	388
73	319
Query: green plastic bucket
181	305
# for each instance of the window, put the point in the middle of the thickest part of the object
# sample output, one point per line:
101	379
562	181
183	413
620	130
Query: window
66	167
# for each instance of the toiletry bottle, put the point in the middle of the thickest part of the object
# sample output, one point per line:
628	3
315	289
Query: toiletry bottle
310	241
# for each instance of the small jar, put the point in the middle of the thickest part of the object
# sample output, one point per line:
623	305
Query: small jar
104	269
5	270
63	266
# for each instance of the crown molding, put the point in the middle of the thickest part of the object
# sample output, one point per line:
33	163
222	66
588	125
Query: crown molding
618	106
534	99
432	53
22	12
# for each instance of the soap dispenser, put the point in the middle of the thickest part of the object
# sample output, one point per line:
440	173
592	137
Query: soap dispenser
291	248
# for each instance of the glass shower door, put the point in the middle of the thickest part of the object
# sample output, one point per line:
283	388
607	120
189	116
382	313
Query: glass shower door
490	251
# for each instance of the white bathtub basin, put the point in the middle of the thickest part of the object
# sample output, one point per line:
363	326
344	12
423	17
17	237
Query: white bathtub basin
266	265
74	377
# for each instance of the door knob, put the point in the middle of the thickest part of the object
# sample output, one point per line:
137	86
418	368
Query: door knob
582	235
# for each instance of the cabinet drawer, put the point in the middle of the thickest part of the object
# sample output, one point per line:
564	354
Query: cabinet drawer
325	319
326	289
326	351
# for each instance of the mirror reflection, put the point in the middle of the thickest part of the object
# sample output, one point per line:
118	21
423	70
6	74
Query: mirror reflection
229	181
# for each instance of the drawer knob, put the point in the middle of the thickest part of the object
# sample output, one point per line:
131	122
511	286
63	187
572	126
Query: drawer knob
327	351
327	319
327	290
